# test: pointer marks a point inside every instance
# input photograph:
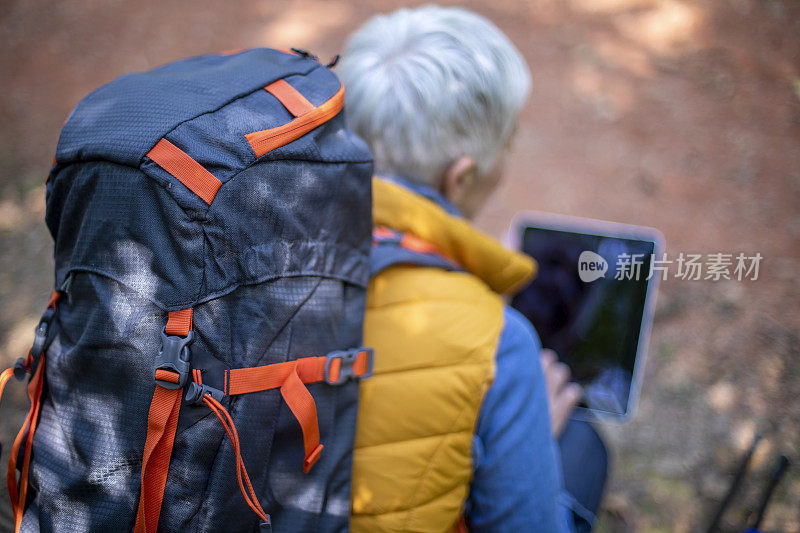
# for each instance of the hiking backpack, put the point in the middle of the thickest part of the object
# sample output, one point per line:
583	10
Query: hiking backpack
212	228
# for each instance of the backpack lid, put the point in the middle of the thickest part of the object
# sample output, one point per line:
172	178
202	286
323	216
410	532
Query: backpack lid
123	120
300	207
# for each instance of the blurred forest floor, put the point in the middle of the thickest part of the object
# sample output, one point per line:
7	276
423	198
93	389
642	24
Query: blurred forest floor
683	115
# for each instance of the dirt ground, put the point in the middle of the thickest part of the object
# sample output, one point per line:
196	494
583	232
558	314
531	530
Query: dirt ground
682	115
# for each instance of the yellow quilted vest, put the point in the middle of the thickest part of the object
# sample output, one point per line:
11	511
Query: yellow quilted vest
435	334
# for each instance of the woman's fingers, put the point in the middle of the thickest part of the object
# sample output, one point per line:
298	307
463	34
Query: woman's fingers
562	395
548	356
564	403
556	374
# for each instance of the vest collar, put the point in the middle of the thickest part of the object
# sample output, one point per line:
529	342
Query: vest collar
425	191
396	206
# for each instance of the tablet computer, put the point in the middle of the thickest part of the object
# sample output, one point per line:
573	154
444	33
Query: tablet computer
592	301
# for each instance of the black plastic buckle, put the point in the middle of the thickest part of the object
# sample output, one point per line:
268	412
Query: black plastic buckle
20	369
395	238
304	53
196	392
334	61
348	359
40	337
174	356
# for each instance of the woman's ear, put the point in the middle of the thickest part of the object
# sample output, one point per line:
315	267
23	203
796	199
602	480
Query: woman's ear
458	179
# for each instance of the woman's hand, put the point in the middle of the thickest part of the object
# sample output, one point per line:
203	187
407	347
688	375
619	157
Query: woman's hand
562	396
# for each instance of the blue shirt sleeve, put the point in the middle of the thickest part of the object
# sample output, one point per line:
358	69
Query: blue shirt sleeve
517	481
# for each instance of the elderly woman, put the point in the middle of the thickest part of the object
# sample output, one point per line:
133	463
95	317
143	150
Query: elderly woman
455	423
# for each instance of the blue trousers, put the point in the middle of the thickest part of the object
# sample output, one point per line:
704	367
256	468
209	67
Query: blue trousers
584	461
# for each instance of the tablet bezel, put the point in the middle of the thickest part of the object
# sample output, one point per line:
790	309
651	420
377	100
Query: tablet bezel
602	228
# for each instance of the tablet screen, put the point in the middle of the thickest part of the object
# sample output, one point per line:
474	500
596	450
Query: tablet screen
590	316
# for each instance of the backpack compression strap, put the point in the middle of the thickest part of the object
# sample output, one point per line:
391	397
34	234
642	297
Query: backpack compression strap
291	377
170	372
34	362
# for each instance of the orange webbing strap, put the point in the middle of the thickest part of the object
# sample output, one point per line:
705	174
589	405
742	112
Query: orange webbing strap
294	393
290	97
302	405
265	141
416	244
34	395
308	369
11	477
260	378
18	491
185	169
162	423
291	377
412	243
54	297
179	322
4	377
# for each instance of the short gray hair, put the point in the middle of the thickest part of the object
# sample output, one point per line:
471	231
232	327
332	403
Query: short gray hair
425	86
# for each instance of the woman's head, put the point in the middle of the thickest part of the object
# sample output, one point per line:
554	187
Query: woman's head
435	92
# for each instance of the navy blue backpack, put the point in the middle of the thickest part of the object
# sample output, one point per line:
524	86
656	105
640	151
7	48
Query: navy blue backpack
199	356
